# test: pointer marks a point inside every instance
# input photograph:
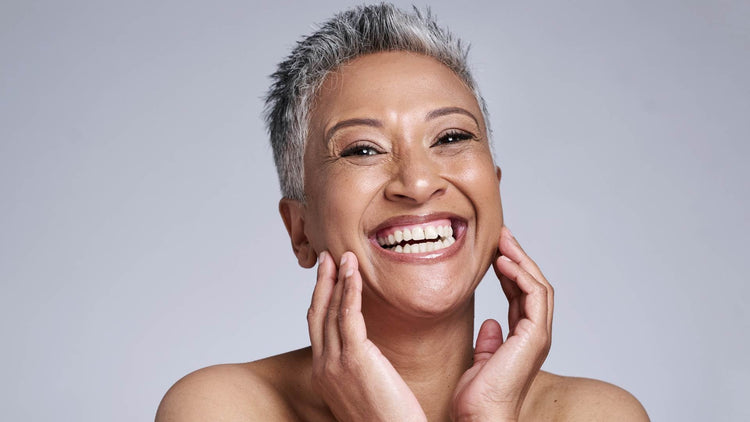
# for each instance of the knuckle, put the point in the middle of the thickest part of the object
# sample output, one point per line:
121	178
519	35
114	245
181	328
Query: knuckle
343	314
332	320
341	317
332	313
496	395
348	363
543	345
332	371
327	370
351	289
543	340
311	313
540	289
539	342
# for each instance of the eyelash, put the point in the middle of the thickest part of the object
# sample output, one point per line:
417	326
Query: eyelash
450	137
356	149
457	135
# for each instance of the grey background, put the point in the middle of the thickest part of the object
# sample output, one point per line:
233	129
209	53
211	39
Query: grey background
139	238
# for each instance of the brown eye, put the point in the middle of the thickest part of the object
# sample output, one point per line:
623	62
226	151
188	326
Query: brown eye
453	137
360	150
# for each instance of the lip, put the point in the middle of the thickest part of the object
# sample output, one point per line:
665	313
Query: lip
458	224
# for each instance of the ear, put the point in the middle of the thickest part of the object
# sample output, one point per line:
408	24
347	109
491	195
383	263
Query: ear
293	214
499	174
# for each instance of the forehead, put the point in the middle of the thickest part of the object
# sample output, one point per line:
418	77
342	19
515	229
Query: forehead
389	86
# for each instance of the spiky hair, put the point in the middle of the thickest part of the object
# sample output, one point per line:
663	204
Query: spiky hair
348	35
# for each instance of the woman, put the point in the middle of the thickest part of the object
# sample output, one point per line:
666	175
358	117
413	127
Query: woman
381	142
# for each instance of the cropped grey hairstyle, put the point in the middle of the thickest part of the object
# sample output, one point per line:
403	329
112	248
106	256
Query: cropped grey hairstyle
348	35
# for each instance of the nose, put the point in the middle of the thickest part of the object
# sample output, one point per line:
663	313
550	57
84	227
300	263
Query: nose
416	179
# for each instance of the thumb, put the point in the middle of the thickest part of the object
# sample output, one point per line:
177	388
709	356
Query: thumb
489	339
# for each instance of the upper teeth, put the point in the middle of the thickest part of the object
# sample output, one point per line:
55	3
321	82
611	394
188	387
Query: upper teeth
419	233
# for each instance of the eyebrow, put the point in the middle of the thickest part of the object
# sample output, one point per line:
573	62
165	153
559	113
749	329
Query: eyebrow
440	112
352	122
434	114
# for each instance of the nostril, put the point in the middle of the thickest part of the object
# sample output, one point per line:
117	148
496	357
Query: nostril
415	180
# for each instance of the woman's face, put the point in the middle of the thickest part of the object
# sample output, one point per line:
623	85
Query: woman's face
397	144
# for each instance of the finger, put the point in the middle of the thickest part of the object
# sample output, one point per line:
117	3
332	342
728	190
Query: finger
510	247
331	332
352	323
515	313
513	294
320	299
510	288
534	301
489	339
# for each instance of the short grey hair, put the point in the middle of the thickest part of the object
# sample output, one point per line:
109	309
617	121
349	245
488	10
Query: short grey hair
356	32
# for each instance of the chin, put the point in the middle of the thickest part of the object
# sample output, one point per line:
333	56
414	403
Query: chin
434	297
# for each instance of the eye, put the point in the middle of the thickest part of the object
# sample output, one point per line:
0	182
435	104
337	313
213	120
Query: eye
360	150
452	137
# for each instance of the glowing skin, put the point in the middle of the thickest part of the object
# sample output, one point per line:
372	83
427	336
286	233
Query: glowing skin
397	153
387	152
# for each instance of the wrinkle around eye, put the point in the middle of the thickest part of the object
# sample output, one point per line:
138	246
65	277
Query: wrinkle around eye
454	141
353	155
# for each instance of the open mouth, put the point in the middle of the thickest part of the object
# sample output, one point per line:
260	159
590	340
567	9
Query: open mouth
424	237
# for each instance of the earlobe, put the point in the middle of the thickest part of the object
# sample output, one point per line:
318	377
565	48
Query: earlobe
292	212
499	173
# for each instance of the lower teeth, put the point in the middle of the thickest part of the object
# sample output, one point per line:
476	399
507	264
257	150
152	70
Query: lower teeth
424	246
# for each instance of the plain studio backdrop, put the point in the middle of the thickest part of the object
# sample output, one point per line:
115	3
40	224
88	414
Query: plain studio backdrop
139	233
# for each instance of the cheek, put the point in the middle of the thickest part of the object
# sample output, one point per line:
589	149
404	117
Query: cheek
477	176
341	199
347	191
478	181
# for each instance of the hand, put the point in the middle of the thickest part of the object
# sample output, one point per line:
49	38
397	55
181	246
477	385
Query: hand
349	372
495	386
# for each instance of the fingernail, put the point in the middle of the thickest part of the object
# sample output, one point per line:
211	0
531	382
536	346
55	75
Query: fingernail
321	257
343	260
349	272
505	258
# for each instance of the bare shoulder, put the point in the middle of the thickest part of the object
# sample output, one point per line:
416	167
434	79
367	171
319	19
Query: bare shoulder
254	391
561	398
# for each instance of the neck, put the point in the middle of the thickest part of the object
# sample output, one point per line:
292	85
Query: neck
430	355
